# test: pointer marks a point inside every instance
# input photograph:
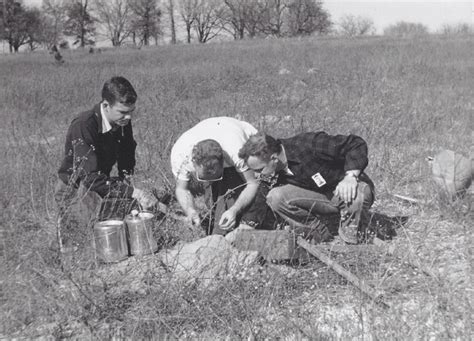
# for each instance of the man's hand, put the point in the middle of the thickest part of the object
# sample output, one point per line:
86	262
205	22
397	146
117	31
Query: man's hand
145	200
347	188
228	219
193	218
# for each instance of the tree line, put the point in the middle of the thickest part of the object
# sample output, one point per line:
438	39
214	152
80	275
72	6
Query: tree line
141	22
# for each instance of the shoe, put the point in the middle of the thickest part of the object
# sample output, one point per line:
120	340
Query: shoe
348	233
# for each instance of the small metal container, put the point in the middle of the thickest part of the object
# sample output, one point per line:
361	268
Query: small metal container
110	241
140	233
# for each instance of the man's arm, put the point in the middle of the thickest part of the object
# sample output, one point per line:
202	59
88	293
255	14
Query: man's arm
84	139
186	200
351	151
228	218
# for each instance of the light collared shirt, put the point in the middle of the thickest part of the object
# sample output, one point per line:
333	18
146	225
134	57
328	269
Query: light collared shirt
230	133
106	126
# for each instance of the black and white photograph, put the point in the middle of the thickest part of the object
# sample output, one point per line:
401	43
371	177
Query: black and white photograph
251	170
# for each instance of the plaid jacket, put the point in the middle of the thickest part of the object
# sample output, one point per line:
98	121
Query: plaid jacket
91	154
329	155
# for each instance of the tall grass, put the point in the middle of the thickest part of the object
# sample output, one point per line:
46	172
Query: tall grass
408	99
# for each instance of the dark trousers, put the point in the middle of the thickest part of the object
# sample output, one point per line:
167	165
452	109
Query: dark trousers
224	193
304	209
78	210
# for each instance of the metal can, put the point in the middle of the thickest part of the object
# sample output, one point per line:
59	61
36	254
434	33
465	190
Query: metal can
140	233
110	241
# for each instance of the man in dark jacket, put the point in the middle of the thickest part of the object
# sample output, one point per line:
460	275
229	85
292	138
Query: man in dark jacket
313	175
97	140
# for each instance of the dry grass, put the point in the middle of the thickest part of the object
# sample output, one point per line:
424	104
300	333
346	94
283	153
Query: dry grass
407	98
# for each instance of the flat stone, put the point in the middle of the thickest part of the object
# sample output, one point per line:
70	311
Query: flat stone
207	258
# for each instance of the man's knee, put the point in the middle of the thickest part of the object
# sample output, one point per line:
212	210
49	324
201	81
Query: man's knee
365	195
275	198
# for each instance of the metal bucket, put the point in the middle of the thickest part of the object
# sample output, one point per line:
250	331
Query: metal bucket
140	233
110	241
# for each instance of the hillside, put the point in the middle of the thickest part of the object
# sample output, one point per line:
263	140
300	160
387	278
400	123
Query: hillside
407	98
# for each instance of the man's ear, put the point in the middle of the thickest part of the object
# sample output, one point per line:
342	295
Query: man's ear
106	104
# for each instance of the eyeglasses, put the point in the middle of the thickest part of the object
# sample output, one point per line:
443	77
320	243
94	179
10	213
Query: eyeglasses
207	180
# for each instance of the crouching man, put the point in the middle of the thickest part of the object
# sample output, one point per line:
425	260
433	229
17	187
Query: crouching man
208	153
314	175
97	140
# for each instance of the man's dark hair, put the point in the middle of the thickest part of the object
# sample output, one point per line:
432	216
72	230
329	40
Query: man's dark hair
209	155
260	145
119	89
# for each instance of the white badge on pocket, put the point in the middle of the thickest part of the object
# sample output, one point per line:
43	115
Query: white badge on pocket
318	180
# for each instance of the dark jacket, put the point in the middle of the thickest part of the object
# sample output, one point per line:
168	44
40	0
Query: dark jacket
329	155
90	155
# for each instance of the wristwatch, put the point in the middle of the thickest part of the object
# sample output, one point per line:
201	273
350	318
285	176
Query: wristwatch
352	174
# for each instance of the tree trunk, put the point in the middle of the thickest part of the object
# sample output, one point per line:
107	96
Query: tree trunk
147	29
173	27
83	35
146	34
241	33
188	33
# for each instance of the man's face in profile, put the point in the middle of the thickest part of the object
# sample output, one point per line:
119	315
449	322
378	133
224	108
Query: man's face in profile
259	165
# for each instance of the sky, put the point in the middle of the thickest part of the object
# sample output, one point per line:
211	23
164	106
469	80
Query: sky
432	13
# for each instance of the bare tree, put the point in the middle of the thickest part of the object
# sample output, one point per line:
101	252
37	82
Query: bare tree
406	29
207	23
146	21
254	12
272	20
54	16
116	17
235	16
457	29
15	24
306	17
80	23
352	26
172	23
34	28
188	11
242	17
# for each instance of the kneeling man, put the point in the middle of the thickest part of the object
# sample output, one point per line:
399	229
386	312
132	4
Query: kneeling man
314	175
208	153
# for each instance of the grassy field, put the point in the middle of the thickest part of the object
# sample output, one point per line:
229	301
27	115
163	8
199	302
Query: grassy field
408	99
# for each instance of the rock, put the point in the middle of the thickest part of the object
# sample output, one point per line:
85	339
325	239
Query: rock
206	258
270	119
231	236
284	71
452	172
